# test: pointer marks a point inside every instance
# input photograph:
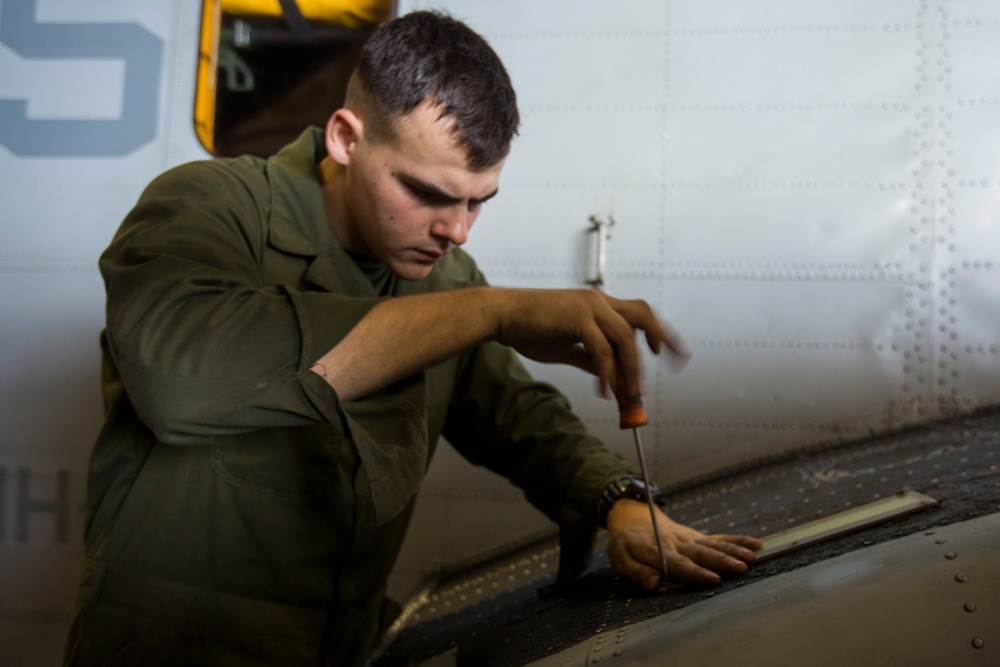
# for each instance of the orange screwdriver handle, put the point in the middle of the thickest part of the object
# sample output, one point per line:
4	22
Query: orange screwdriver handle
630	411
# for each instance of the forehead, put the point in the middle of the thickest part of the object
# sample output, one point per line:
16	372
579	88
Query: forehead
427	132
424	145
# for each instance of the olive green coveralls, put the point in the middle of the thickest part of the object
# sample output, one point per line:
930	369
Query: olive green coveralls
238	512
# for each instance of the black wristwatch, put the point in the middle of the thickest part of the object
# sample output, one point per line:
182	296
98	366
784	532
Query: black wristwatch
627	486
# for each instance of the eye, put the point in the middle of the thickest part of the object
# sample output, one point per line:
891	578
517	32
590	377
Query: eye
426	196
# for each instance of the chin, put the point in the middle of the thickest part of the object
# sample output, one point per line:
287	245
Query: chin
413	272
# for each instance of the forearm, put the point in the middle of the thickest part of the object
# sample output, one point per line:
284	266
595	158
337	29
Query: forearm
404	335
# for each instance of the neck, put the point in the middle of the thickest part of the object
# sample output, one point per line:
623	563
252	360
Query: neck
330	176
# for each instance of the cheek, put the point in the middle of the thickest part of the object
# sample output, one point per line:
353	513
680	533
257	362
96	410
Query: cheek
401	223
405	213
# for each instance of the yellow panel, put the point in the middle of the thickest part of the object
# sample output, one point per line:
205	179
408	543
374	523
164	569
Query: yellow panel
204	96
348	13
344	13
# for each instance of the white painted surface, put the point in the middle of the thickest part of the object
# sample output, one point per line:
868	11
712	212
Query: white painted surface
809	191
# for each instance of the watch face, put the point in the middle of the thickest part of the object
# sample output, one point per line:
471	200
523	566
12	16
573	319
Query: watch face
636	484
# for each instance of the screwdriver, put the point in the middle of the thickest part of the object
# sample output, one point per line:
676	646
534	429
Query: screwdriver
632	415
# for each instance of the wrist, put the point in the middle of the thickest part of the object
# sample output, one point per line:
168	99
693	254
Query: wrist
629	487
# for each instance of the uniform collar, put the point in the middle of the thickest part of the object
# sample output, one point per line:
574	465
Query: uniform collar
298	223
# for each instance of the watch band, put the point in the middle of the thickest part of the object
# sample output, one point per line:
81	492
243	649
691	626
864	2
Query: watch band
626	486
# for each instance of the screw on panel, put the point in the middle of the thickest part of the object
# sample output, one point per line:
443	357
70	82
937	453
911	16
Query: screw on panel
977	643
961	578
950	555
969	607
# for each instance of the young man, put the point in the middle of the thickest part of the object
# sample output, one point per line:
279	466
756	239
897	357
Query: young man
286	341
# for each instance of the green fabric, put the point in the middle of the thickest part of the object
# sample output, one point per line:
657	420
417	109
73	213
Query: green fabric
226	470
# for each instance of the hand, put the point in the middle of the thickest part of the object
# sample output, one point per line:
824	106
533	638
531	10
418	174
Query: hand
587	329
691	556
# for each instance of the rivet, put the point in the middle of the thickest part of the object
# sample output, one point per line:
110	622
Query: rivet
961	578
950	555
969	607
977	643
940	541
617	653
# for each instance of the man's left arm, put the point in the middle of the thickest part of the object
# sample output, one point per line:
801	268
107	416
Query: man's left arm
523	429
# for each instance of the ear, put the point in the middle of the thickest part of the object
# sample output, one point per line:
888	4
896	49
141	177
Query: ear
344	131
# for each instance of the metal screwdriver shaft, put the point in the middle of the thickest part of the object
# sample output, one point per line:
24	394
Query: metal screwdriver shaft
632	415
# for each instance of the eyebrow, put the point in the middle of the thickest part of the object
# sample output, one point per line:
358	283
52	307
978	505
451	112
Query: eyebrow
438	192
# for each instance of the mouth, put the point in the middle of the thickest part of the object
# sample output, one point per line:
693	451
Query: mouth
430	256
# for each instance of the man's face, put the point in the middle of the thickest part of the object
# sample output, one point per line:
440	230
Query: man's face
411	200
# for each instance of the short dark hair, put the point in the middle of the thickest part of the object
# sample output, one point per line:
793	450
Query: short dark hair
431	56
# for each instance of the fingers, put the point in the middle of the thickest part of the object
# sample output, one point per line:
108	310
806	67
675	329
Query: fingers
547	324
637	314
609	337
597	342
750	544
702	562
718	556
690	555
635	566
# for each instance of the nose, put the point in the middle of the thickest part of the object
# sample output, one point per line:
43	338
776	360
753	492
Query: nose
454	224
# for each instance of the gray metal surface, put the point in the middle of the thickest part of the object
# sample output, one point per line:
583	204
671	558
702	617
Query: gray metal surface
492	615
932	598
808	191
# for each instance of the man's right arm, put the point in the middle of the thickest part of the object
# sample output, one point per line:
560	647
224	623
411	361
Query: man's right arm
206	346
584	328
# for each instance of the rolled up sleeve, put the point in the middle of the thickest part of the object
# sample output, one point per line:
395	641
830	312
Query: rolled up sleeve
205	341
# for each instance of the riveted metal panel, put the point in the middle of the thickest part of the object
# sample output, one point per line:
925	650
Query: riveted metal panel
926	599
493	614
806	190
